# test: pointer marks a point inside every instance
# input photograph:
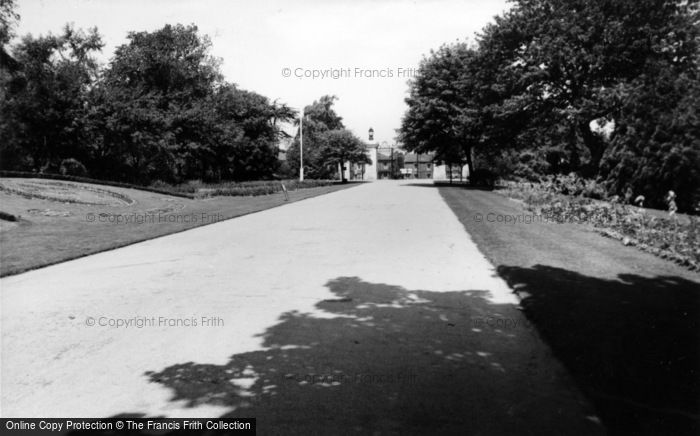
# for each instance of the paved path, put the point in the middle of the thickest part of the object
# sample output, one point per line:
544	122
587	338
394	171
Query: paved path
366	309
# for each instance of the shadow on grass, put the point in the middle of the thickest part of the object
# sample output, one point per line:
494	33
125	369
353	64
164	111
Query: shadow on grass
633	344
380	359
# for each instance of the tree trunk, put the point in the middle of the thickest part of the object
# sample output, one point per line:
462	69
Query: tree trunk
594	144
574	162
341	172
470	166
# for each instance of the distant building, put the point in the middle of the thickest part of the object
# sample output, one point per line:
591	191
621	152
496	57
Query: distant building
384	165
418	165
389	163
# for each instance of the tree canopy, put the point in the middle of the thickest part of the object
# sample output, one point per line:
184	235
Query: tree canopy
600	87
44	100
159	111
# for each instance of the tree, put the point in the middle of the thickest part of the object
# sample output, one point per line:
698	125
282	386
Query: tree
8	18
443	113
159	111
657	148
340	146
568	62
157	94
164	110
44	100
249	133
599	87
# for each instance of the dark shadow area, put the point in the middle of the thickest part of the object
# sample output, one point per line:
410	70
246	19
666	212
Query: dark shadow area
380	359
633	344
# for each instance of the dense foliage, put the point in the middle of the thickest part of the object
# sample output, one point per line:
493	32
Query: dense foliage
607	89
159	111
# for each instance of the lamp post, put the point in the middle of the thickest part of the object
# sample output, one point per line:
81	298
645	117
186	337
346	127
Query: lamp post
370	135
301	146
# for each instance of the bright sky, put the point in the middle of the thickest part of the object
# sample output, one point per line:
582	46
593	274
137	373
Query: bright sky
258	40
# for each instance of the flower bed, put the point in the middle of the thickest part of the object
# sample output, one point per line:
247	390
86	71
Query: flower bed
670	237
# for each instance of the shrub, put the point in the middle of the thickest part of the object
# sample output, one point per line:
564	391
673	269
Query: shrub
73	167
159	184
483	177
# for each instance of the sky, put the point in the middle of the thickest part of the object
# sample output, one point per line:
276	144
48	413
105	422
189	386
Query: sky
362	51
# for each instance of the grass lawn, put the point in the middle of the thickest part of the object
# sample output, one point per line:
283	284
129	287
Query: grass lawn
78	219
625	323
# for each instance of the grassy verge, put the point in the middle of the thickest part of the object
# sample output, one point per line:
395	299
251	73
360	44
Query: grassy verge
50	231
191	189
30	175
624	323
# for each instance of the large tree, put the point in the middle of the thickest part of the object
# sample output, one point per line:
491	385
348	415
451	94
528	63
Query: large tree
248	127
158	90
554	85
44	102
164	112
569	62
434	121
160	110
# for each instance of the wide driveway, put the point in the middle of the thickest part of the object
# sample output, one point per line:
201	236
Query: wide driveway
369	309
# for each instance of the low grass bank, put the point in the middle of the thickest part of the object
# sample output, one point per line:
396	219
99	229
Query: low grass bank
49	231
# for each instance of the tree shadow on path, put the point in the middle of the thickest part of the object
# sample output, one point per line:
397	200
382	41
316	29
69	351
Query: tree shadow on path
380	359
633	344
